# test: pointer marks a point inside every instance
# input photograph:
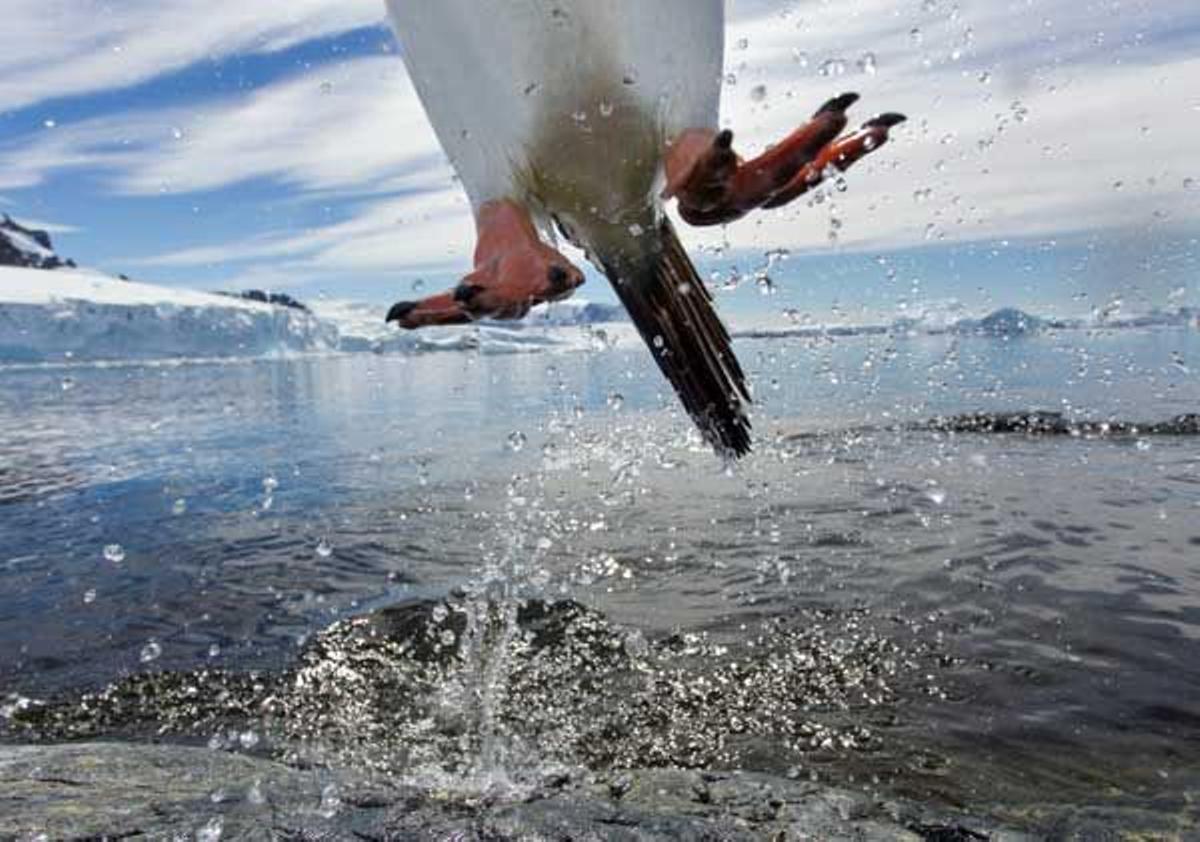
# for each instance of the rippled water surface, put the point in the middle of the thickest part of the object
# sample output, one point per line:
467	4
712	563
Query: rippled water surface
968	617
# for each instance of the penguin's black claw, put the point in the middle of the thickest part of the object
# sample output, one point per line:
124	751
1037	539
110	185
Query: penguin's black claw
400	310
885	121
838	104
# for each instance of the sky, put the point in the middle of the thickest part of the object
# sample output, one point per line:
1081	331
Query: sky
1048	161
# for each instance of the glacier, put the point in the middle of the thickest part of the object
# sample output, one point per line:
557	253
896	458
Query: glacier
79	315
71	315
562	325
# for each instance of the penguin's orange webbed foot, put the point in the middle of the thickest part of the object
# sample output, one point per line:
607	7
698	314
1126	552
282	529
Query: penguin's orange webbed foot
715	186
514	270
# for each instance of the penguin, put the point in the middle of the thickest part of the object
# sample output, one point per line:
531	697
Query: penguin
582	119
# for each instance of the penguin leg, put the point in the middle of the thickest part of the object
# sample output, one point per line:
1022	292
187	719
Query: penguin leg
715	186
514	270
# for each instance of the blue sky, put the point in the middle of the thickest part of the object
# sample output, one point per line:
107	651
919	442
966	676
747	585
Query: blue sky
1048	161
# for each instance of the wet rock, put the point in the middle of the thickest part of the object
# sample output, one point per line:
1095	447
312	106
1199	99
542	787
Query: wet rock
95	790
113	790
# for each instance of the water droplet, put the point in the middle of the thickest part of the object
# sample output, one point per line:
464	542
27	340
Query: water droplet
418	285
832	67
914	35
179	506
49	123
658	341
324	548
516	441
1143	445
150	652
177	132
248	739
255	794
985	78
615	401
606	109
214	650
269	484
68	383
867	64
636	230
327	87
89	596
1189	184
758	93
936	495
211	832
331	804
114	553
743	43
1118	185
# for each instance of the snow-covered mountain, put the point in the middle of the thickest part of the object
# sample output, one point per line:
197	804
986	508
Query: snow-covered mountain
27	247
1004	322
73	315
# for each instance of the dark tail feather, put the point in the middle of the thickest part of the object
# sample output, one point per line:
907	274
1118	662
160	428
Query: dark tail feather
674	312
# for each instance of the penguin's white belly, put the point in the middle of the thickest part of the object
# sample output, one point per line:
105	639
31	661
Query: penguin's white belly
511	85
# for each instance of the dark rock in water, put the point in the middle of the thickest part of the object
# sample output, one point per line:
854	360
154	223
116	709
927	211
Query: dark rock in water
431	683
280	298
27	247
947	833
1032	423
1040	423
1056	424
117	790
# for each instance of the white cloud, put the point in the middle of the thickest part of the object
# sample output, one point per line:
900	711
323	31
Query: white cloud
425	230
55	48
44	225
348	128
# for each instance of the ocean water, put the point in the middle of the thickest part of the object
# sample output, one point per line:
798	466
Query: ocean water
995	620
